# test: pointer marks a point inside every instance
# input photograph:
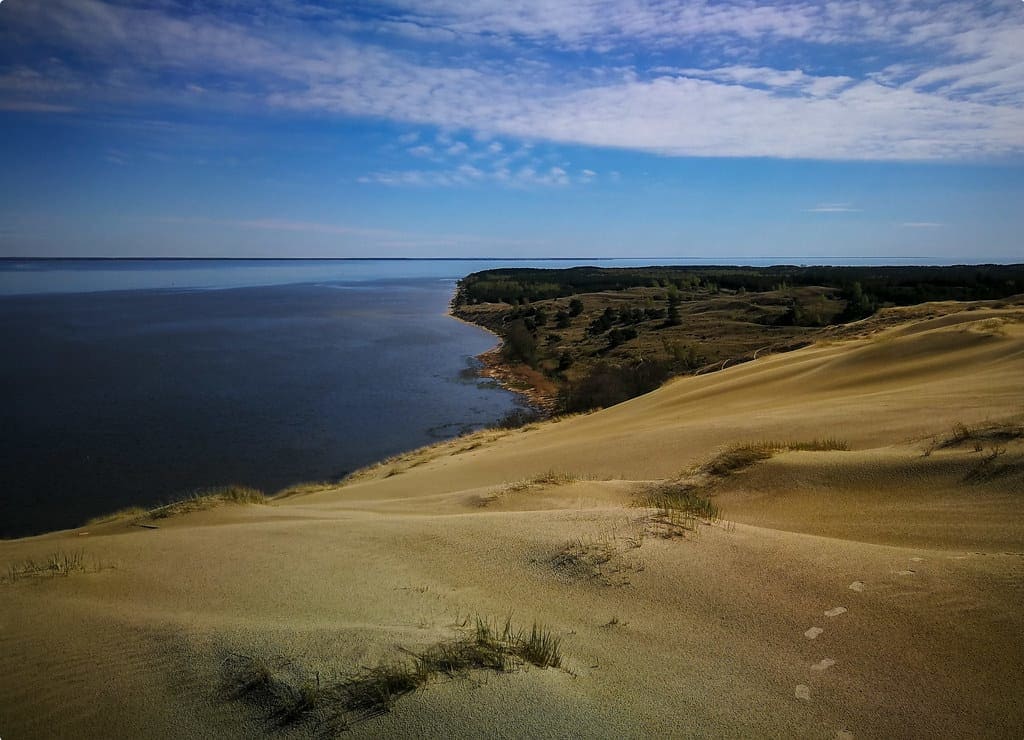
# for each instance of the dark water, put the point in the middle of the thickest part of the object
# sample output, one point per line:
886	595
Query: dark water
130	397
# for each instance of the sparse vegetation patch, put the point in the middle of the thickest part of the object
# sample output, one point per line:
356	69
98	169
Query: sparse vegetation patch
288	694
200	500
739	457
59	564
549	478
680	504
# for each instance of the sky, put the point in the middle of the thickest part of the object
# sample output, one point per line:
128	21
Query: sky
513	128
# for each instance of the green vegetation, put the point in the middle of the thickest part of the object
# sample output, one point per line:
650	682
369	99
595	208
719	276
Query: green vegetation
291	695
600	336
864	287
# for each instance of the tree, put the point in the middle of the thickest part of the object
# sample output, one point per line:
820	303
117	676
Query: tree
520	344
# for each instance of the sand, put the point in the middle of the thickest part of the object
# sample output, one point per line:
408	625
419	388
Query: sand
874	592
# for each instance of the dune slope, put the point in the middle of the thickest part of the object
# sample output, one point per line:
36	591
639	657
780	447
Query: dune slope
874	591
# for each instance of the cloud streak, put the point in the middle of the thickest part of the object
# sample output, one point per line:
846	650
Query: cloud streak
833	208
956	93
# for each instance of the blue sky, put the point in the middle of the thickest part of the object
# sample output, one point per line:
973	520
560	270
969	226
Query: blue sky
523	128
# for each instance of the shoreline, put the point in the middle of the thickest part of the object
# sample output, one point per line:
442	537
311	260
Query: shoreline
512	378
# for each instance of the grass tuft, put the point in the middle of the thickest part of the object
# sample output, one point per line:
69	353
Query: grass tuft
129	513
740	457
301	489
290	696
992	433
199	500
678	506
548	478
57	564
681	503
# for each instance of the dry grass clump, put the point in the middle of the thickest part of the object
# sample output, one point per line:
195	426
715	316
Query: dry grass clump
129	512
995	436
994	433
199	500
681	503
601	556
207	499
739	457
549	478
291	695
301	489
57	564
678	507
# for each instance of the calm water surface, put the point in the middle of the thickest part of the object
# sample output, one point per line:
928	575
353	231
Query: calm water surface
135	396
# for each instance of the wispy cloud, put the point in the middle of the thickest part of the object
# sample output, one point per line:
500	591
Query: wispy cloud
938	82
273	224
465	175
384	238
833	208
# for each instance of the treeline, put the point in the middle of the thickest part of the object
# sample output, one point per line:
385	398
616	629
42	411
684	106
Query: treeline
864	288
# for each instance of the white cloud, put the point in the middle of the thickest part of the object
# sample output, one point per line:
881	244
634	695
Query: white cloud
526	176
957	94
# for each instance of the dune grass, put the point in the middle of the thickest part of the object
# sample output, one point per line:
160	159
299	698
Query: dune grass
548	478
199	500
58	564
681	503
678	507
208	498
301	489
291	695
982	433
129	512
992	434
739	457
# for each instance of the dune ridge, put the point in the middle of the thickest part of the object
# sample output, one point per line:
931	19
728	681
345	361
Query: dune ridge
873	591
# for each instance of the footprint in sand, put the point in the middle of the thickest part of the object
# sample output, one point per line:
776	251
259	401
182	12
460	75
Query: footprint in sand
813	632
857	586
835	611
905	572
917	560
823	664
803	692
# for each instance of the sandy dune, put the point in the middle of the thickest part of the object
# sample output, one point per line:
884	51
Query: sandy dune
874	592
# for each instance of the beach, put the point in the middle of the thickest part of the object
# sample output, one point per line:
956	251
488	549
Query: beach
861	577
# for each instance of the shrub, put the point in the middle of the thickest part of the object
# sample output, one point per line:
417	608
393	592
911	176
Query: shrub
606	385
520	344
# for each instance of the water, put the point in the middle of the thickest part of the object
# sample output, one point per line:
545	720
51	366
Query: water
129	382
132	397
